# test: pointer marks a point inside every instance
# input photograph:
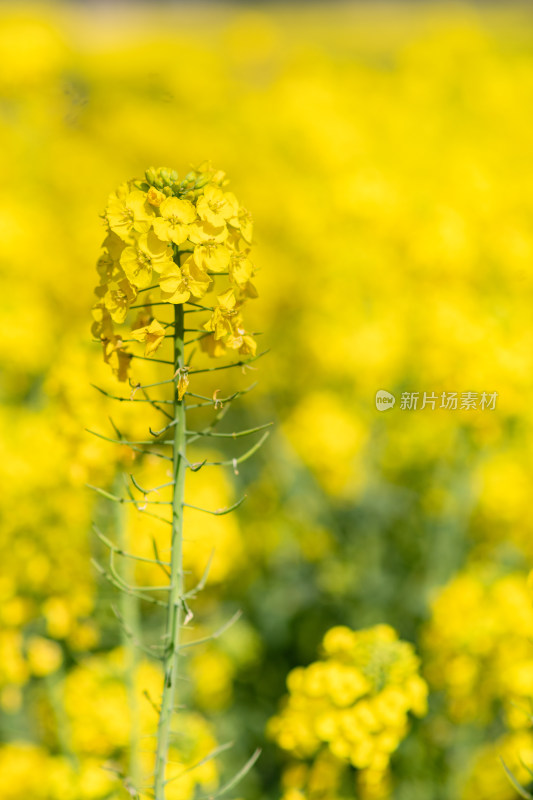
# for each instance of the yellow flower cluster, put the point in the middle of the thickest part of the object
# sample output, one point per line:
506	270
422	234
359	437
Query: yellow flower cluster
173	236
333	452
321	779
354	701
28	770
479	647
40	540
100	721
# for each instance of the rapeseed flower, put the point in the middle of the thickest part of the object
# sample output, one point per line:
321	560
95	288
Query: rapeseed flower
173	224
478	647
171	236
128	212
152	335
354	702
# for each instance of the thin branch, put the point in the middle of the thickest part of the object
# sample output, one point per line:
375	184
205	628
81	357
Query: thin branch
136	341
520	789
128	399
162	564
154	516
120	552
237	434
220	511
222	400
124	501
214	635
155	403
154	705
200	306
149	358
144	305
232	462
197	338
131	446
209	757
148	491
163	430
126	586
147	289
191	594
150	385
229	366
236	778
194	467
219	415
105	574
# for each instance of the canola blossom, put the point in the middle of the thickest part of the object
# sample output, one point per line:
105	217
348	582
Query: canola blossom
353	703
100	723
167	238
478	647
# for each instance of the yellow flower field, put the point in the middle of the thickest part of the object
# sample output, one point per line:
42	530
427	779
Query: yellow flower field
384	154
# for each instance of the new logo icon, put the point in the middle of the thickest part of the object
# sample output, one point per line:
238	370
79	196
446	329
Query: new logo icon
384	400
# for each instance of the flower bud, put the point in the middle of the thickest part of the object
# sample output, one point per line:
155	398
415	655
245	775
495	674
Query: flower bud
202	181
151	175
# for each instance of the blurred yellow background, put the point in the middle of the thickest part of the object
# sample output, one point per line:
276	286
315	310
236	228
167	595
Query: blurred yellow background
385	153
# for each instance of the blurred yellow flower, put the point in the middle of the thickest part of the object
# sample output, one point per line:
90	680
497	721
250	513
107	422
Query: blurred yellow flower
354	702
44	655
479	646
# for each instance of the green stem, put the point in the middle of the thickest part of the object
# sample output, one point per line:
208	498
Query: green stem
129	609
175	603
55	685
